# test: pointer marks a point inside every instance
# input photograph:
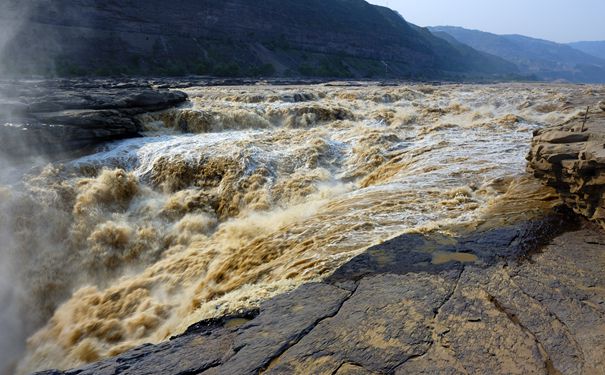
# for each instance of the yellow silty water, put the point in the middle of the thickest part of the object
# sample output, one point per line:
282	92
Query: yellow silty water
249	192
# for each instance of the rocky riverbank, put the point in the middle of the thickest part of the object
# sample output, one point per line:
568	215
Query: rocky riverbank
571	158
516	287
392	310
53	117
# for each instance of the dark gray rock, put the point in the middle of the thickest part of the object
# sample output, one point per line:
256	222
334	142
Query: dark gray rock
51	117
385	323
234	345
281	324
408	253
542	316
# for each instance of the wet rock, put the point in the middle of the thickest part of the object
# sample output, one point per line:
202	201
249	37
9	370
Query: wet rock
51	117
524	318
352	369
571	158
485	326
567	280
385	323
416	252
544	316
222	348
282	322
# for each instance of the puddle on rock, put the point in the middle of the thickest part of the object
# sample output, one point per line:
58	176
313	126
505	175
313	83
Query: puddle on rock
443	257
236	323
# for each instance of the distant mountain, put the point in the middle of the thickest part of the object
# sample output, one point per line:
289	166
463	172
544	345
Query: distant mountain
325	38
544	59
592	48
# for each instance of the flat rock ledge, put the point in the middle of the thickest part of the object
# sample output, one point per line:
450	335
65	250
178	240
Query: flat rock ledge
571	158
391	311
53	117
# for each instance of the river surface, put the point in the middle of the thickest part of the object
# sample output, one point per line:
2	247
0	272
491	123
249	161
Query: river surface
247	192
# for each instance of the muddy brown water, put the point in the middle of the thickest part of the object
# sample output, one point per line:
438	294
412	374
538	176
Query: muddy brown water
251	191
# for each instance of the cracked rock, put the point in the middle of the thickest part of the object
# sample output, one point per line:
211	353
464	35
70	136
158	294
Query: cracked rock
386	321
542	316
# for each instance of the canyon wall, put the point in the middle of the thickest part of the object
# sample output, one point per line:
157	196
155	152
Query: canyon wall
336	38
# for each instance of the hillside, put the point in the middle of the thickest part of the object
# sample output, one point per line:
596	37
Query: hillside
544	59
592	48
329	38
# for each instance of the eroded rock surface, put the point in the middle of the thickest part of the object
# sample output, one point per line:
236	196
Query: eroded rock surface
49	117
571	158
513	313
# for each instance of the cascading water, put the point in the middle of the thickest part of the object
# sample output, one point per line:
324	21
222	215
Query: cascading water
248	193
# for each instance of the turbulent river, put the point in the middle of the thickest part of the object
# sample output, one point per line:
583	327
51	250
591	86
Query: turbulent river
248	192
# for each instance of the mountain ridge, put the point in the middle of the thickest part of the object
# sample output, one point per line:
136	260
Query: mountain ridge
333	38
547	60
595	48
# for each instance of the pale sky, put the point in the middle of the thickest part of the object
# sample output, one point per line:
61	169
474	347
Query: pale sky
556	20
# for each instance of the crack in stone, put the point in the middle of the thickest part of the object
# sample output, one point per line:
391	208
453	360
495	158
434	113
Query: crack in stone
548	363
437	311
449	297
349	363
568	333
271	361
594	243
202	369
356	283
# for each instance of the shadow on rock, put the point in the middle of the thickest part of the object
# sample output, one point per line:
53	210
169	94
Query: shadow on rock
378	313
437	253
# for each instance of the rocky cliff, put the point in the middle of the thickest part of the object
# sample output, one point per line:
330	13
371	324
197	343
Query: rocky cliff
333	38
571	158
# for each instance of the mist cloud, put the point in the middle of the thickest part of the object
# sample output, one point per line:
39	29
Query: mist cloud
12	326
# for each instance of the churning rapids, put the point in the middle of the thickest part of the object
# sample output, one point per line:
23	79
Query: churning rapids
246	193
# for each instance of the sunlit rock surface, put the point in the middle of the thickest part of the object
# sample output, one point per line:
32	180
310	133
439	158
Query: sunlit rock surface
571	158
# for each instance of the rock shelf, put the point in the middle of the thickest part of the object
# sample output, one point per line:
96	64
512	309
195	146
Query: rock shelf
571	158
390	311
52	117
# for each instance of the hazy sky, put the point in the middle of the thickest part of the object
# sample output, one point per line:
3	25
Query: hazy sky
557	20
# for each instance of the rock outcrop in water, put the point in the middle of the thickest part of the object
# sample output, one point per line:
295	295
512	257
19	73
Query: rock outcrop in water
63	116
571	158
327	38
